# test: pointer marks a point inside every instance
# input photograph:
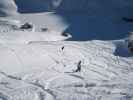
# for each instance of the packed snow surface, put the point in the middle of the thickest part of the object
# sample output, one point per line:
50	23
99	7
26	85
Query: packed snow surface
38	65
7	8
47	71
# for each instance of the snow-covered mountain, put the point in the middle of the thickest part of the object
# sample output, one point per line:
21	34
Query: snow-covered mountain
38	64
50	71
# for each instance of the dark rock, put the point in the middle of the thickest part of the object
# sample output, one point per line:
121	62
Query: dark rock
26	26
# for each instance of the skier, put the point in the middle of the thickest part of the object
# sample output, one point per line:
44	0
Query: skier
78	67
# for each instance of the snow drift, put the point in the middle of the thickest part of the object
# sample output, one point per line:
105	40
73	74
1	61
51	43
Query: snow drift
33	68
7	8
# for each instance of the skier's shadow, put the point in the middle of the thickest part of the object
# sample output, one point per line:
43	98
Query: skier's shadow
122	50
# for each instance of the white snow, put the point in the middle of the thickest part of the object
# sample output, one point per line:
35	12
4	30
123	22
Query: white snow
40	65
7	8
43	20
27	37
45	70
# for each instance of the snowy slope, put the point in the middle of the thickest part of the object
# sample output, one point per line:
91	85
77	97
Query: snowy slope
7	8
44	20
40	66
10	31
46	71
27	37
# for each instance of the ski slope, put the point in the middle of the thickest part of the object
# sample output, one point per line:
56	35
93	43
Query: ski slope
47	71
7	8
41	65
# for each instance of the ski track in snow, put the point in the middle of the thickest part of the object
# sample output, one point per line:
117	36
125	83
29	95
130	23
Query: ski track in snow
103	75
31	69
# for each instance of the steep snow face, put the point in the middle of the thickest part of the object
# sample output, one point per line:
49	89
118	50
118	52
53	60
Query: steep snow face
7	8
